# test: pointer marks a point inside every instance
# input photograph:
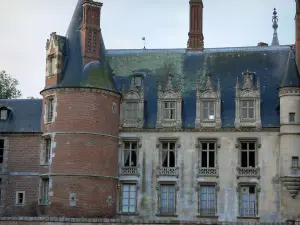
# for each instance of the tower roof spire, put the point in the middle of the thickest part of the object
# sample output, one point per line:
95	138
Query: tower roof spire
275	26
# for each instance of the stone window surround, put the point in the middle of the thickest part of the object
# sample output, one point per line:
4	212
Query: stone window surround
120	194
50	58
247	92
257	141
123	169
257	191
208	94
17	196
47	98
198	148
134	94
158	187
217	189
42	177
169	94
43	149
159	169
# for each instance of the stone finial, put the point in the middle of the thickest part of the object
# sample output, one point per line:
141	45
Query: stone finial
208	85
248	79
169	85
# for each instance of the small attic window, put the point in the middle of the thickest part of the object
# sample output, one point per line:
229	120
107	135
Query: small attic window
137	80
3	114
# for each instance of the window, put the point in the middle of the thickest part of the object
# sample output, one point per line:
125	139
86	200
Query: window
295	162
248	201
292	117
168	154
131	113
169	110
130	154
1	150
208	154
138	81
52	65
20	197
248	154
3	114
47	149
208	110
207	199
44	191
128	202
167	203
49	110
247	109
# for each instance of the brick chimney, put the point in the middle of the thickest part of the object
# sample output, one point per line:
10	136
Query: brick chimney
297	19
90	31
196	38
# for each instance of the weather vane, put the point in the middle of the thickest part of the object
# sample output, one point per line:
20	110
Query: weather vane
144	40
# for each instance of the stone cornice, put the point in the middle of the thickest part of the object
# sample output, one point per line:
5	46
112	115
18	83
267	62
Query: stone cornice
50	90
160	130
289	91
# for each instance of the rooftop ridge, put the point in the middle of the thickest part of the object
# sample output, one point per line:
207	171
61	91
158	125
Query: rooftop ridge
206	50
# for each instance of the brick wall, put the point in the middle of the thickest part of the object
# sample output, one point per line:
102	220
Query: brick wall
84	153
23	165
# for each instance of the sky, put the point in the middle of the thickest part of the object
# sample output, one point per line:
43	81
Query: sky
26	25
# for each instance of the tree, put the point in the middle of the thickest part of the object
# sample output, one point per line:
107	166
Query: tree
8	86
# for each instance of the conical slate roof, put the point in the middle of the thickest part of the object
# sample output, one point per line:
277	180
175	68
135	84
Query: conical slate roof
291	76
75	73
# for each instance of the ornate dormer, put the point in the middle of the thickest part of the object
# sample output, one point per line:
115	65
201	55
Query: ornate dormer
247	102
169	102
54	58
132	103
208	105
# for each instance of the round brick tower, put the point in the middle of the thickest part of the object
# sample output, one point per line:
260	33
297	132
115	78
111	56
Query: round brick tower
80	122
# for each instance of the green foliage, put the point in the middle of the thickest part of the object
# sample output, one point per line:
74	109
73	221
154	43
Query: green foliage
8	86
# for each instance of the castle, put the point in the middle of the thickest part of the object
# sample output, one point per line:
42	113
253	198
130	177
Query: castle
169	134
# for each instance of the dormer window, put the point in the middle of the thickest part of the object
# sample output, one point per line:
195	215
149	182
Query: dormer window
3	114
169	110
247	102
132	104
51	65
208	105
169	106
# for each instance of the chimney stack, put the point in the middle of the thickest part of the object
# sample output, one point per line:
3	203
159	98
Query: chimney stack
90	31
196	39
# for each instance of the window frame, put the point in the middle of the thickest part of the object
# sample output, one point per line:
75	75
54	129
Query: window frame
200	151
50	113
5	116
248	150
17	198
169	110
257	191
247	107
293	164
292	117
2	150
158	187
122	183
216	189
209	102
131	102
130	150
47	145
42	200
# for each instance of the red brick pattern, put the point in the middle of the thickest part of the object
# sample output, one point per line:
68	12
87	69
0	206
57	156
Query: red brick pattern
85	144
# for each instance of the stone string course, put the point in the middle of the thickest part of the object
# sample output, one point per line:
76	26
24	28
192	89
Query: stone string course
101	221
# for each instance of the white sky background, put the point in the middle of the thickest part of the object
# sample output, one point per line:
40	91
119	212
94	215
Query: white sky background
27	24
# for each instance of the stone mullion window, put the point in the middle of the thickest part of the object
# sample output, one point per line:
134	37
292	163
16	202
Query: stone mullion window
207	154
247	109
207	199
169	110
44	191
132	105
248	199
208	105
47	149
168	154
50	109
128	197
130	154
167	198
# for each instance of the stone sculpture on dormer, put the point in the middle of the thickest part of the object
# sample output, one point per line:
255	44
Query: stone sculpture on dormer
169	103
208	104
247	102
132	103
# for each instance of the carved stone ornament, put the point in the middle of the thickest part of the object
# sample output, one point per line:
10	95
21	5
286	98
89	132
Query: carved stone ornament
207	99
248	92
132	100
169	104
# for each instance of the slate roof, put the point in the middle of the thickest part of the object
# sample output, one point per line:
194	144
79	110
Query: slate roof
291	77
24	117
268	62
74	73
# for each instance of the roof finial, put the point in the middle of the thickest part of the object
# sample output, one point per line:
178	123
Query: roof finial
275	26
144	40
